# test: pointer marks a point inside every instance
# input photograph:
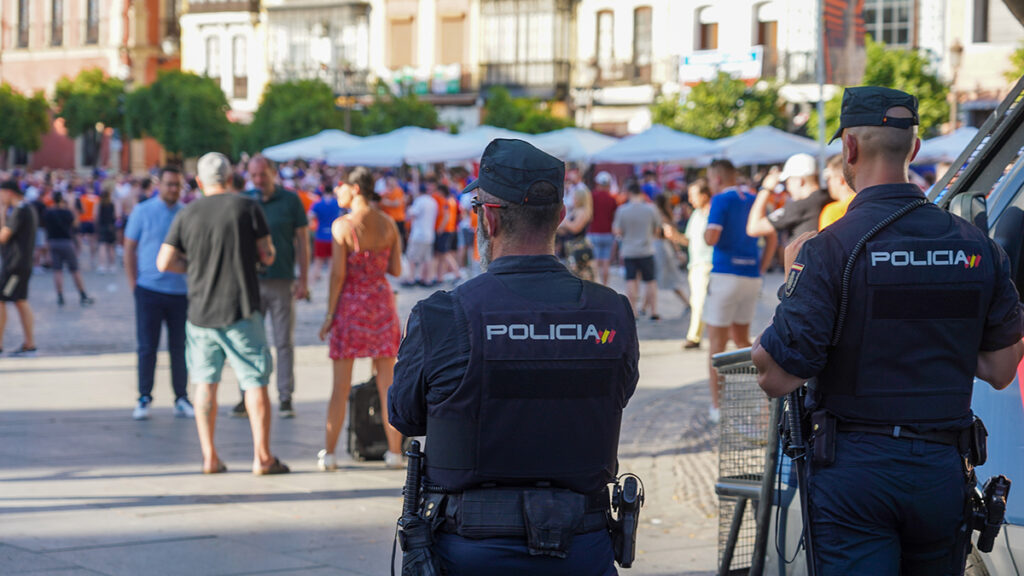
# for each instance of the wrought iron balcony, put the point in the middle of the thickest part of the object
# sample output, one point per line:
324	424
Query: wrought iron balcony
200	6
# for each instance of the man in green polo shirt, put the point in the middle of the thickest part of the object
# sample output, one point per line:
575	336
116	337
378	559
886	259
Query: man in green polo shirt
279	288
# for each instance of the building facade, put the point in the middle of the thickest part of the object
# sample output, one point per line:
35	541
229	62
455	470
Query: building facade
42	41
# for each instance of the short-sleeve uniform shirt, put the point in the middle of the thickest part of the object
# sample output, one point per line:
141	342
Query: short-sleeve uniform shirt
735	253
218	235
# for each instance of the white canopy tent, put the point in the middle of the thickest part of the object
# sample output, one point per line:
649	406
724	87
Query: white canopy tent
408	145
656	144
574	144
311	147
764	145
945	148
482	135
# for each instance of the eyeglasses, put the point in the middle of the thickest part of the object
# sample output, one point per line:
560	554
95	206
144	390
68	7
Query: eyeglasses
476	204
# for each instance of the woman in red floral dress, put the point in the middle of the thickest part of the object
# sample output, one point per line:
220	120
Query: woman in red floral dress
362	321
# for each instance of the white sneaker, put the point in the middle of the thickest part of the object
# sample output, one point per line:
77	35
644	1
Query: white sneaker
141	411
393	460
183	408
326	462
714	415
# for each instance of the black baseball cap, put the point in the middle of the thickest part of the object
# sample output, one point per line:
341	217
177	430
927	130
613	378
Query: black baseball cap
509	167
11	185
867	105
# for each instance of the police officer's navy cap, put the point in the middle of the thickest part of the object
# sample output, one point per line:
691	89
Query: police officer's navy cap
867	105
509	167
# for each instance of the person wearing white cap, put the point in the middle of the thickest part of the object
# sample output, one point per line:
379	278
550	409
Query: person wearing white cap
801	213
600	231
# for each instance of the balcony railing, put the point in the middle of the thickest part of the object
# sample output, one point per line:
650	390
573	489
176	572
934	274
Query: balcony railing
341	81
539	78
199	6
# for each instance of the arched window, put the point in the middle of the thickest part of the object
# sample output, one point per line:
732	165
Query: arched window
707	29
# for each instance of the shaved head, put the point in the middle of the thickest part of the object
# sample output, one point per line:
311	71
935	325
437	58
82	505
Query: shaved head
881	144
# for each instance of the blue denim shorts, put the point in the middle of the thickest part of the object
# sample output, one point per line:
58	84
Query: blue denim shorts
602	245
243	344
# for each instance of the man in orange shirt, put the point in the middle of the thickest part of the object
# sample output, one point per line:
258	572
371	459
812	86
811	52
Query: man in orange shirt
86	207
392	202
838	189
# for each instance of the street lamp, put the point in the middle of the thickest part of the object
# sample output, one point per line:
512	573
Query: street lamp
956	53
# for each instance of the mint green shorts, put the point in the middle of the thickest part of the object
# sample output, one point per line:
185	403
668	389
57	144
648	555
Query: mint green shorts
243	344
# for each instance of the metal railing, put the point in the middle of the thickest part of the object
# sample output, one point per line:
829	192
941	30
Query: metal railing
747	455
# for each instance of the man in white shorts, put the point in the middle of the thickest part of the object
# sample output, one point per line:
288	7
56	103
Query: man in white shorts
422	215
735	270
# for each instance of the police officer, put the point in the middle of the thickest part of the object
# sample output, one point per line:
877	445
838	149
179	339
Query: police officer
928	306
518	378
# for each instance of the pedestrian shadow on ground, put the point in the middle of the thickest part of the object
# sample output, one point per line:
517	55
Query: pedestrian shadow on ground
116	502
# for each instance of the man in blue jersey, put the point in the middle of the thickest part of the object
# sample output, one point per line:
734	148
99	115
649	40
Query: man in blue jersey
326	211
736	268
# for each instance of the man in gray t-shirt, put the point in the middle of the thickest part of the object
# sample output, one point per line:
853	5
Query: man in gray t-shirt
636	223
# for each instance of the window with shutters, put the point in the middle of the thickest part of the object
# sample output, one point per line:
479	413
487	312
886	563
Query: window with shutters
239	69
57	23
23	23
401	53
92	21
453	34
643	45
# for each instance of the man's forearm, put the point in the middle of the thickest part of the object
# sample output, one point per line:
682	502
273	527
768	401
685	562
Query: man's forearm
302	250
131	269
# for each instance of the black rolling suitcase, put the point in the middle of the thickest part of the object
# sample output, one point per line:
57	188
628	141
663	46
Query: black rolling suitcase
366	439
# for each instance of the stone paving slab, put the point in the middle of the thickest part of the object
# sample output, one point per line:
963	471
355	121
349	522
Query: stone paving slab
86	490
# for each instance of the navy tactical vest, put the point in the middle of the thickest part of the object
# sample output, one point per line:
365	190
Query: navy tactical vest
543	393
918	299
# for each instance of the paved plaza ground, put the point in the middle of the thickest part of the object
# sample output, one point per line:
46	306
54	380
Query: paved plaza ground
84	489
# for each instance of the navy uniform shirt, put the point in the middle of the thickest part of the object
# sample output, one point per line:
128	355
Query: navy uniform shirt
799	336
435	352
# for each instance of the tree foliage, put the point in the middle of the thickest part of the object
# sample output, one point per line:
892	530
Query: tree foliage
722	107
906	70
388	112
291	110
185	113
520	114
89	99
25	119
1016	70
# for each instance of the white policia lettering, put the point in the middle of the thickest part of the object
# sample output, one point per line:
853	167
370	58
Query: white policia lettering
554	332
914	258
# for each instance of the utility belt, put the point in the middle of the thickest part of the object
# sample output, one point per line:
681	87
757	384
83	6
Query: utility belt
971	442
517	512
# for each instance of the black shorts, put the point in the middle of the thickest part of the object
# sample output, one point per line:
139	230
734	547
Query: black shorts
14	285
645	266
86	228
443	242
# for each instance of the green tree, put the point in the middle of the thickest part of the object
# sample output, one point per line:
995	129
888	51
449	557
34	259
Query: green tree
388	112
185	113
1016	65
291	110
724	106
906	70
520	114
26	119
90	100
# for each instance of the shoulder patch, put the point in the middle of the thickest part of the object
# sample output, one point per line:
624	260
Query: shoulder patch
793	277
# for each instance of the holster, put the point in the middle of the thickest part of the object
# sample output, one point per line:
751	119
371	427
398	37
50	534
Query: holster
977	439
823	437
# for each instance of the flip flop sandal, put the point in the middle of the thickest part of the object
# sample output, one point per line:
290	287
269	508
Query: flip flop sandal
220	469
277	467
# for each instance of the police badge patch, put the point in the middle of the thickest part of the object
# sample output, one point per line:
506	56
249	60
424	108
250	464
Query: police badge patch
793	278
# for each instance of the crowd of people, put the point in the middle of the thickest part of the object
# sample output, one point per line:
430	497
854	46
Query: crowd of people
707	241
